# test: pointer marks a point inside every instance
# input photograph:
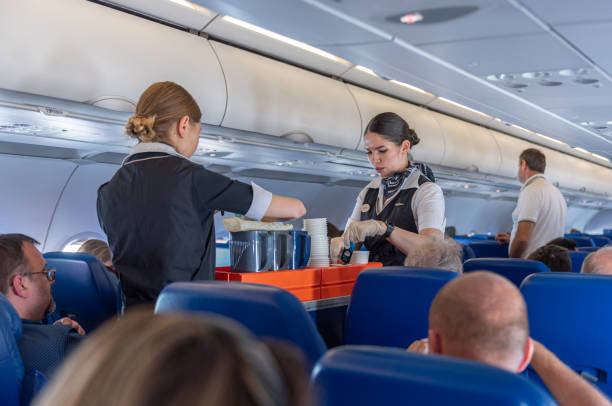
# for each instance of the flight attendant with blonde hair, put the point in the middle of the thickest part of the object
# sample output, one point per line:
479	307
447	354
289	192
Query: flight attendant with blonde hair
157	210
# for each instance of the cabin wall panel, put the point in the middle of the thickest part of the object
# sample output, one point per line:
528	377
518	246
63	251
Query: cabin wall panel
76	213
274	98
30	189
598	222
479	215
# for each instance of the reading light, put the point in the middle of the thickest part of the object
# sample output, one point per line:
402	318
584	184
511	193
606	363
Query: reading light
282	38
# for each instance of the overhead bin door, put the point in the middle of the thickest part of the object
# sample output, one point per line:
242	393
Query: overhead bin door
82	51
468	146
270	97
510	149
431	147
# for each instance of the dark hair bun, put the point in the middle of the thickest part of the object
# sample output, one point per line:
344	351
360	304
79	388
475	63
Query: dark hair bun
393	128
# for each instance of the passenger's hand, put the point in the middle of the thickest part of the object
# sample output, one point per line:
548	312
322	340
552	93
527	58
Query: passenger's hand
357	231
419	346
336	246
69	322
503	238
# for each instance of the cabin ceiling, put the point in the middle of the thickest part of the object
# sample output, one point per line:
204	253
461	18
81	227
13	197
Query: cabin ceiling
541	64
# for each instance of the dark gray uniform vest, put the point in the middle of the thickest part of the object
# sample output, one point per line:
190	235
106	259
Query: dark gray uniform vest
397	212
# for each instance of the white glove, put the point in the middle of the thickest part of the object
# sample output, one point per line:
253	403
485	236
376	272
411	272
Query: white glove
336	246
357	231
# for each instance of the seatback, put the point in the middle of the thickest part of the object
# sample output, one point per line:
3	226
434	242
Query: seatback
11	366
577	258
489	249
267	311
601	240
468	253
588	249
514	269
360	375
581	240
390	306
570	314
84	288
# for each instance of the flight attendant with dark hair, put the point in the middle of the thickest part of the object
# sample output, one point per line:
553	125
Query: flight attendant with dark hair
399	206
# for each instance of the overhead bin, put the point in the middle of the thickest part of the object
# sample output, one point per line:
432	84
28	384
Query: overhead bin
510	149
270	97
81	51
468	146
431	147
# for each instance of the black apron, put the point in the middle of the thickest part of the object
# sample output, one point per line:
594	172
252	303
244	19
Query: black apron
397	212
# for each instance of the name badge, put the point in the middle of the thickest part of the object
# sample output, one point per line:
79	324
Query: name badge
399	204
365	208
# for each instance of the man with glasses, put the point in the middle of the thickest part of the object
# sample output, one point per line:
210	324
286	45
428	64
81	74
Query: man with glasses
26	283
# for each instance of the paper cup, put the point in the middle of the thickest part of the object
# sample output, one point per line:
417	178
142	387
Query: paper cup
360	257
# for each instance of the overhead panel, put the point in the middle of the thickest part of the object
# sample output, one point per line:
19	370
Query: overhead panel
468	146
402	90
273	98
431	147
183	13
83	60
224	29
557	12
315	27
458	110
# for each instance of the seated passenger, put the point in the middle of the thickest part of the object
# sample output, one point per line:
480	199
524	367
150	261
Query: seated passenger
570	245
100	250
436	253
599	262
172	359
26	283
555	257
482	316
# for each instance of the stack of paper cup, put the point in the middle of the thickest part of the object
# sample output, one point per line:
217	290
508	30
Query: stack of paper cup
319	245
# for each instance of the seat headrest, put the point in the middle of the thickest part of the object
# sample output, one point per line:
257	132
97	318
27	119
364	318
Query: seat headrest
10	317
374	375
514	269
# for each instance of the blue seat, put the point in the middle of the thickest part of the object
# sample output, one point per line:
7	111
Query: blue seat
489	249
607	232
267	311
11	366
390	306
84	288
588	249
581	240
515	269
361	375
577	258
570	314
468	253
601	240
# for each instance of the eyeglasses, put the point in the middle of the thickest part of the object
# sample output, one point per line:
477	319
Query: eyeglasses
49	273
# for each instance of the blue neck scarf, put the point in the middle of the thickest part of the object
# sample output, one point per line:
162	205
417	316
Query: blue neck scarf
394	182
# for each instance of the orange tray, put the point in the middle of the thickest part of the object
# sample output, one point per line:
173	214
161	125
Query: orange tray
344	273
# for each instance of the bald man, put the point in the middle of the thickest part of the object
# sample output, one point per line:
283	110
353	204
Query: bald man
482	316
599	262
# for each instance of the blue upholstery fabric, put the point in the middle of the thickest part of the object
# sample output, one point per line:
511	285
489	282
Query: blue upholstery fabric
33	382
11	367
588	249
464	239
577	258
360	375
84	288
570	314
267	311
468	253
514	269
489	249
581	240
601	240
390	306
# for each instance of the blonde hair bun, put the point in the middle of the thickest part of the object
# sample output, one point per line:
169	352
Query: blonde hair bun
141	127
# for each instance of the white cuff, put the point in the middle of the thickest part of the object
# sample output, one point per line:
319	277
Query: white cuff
260	203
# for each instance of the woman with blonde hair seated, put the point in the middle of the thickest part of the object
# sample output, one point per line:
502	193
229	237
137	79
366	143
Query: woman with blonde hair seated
100	250
173	359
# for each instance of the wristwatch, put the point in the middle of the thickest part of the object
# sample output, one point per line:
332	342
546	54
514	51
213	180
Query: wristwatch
390	229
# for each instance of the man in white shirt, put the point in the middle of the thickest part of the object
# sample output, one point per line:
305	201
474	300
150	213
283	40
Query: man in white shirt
540	211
